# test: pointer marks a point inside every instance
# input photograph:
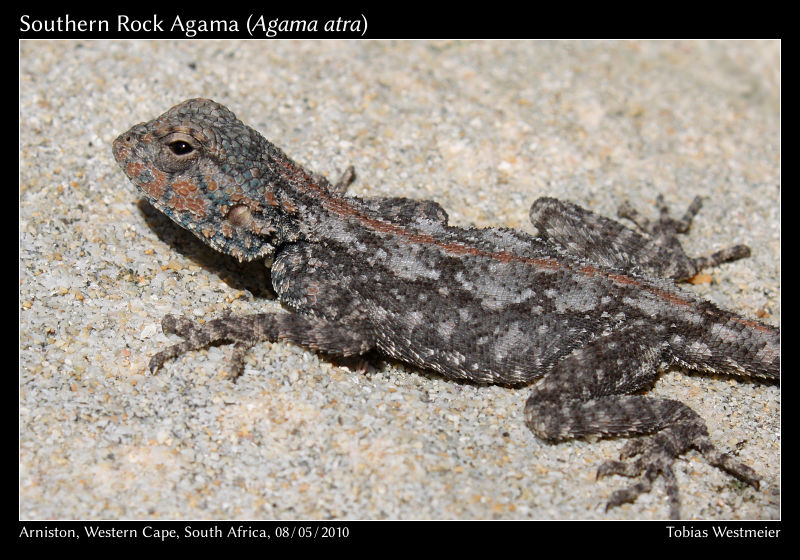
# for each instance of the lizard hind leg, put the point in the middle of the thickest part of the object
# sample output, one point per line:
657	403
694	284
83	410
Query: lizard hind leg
650	457
588	394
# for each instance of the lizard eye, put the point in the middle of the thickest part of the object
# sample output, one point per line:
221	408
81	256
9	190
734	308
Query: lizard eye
180	147
178	152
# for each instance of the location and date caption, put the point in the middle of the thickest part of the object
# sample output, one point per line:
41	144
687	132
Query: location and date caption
361	531
194	531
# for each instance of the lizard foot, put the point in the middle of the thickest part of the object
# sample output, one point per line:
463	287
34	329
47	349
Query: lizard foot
198	336
651	457
664	230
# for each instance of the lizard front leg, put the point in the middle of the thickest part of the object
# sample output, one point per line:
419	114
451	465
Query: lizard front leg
331	337
308	279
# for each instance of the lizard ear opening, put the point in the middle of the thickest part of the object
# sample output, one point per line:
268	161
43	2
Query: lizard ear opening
240	216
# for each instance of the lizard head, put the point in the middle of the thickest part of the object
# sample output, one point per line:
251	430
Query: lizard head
207	171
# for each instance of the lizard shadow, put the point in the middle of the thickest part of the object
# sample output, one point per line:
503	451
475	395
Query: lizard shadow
253	276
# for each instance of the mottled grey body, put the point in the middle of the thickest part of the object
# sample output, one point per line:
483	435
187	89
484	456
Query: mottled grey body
589	305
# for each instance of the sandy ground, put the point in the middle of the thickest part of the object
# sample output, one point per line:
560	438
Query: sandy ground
484	128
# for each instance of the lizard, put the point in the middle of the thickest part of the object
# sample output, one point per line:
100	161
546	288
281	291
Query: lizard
587	312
